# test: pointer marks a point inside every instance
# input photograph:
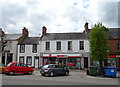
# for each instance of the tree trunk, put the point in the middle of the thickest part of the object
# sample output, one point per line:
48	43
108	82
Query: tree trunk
101	68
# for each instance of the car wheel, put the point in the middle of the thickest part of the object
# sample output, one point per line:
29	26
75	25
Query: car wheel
51	74
11	72
43	74
46	75
30	72
66	73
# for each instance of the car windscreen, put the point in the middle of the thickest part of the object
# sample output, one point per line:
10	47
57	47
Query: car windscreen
54	66
9	64
46	66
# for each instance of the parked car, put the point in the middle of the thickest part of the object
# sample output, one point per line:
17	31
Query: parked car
2	67
53	69
17	67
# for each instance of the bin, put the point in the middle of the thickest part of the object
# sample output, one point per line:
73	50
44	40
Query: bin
92	71
98	71
110	71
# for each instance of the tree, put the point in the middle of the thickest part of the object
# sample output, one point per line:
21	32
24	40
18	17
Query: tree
98	44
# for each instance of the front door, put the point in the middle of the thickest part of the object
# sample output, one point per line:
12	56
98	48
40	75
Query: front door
36	61
86	62
9	58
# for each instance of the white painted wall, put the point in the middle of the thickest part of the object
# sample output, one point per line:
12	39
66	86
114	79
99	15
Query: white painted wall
14	50
12	46
64	45
28	52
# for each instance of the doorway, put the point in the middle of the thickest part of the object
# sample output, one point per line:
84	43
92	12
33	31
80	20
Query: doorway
9	58
85	62
36	61
62	62
3	58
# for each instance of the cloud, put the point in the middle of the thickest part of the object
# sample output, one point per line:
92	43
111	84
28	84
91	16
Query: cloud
56	15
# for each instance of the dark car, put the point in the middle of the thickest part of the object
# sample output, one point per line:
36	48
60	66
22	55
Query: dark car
53	69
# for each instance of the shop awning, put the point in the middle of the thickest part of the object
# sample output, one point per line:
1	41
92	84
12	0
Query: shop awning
112	56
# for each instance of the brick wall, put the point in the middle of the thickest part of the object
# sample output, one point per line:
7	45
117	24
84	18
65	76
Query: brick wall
113	45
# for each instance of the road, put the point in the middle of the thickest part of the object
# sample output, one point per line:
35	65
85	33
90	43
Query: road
75	78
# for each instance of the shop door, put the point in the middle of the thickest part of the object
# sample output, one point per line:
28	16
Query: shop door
62	61
36	62
86	62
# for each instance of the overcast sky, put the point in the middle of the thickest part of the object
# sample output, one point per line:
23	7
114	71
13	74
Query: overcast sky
56	15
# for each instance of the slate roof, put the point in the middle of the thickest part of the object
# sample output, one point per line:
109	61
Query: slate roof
30	40
114	33
12	36
64	36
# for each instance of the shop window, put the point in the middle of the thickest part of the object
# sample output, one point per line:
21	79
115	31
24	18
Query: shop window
21	59
58	45
69	45
34	50
81	44
111	62
74	63
47	45
22	48
29	60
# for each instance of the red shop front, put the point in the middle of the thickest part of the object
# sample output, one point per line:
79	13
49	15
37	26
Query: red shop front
70	60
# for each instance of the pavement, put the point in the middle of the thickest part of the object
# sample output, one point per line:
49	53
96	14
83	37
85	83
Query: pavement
83	74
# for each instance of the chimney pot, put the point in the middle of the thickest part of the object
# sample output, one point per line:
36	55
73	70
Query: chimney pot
86	26
25	32
44	30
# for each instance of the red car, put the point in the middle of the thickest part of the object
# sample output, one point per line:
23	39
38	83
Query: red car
17	67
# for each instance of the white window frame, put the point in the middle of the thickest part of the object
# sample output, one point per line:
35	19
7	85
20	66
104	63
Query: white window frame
34	48
21	58
29	60
47	45
22	48
58	45
69	45
81	45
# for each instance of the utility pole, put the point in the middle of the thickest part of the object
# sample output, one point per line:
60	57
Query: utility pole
0	49
2	44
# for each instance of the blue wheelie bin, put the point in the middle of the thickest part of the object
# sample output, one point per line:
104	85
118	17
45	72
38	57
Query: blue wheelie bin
110	71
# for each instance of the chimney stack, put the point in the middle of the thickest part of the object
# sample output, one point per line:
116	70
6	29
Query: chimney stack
25	32
44	30
86	26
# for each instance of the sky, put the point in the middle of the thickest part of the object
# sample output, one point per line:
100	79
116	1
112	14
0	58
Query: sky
57	15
